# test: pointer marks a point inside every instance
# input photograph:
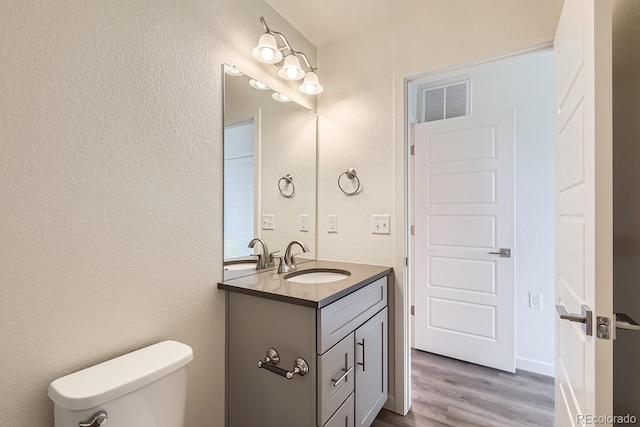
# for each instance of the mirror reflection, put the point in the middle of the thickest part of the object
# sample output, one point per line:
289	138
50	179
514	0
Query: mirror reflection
269	176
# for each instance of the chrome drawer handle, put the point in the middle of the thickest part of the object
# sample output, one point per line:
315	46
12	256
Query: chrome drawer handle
342	377
98	419
362	344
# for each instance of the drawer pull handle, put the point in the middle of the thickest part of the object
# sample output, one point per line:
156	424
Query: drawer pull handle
342	377
301	367
362	364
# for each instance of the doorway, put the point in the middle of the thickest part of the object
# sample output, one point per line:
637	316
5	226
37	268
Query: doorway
533	250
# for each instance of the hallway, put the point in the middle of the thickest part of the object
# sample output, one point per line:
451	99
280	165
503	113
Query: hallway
449	392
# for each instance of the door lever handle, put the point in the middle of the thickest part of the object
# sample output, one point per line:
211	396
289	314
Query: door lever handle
586	317
503	252
625	322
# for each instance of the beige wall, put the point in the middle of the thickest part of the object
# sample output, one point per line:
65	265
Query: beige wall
356	111
110	187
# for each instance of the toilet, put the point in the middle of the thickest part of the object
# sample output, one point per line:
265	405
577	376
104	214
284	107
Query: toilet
145	388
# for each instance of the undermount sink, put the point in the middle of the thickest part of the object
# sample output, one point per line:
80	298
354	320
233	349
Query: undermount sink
239	265
317	275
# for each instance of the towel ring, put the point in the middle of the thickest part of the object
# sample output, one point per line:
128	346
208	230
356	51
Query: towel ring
351	174
288	179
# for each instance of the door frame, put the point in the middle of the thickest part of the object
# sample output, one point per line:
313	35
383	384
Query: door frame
403	295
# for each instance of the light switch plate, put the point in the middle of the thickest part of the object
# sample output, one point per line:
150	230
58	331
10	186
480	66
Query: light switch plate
304	223
380	224
268	222
332	223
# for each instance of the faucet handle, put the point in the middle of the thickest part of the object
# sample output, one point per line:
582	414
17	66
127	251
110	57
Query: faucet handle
268	262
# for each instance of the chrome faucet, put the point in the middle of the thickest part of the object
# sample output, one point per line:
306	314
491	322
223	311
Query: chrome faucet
288	262
265	260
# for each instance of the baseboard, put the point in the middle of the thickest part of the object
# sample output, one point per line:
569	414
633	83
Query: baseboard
535	366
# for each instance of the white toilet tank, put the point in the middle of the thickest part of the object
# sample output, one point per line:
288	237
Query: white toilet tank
145	388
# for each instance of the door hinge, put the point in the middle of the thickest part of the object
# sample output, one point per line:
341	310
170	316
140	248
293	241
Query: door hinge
413	310
405	261
413	230
413	150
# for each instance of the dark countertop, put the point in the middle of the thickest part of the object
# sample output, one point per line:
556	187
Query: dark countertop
269	284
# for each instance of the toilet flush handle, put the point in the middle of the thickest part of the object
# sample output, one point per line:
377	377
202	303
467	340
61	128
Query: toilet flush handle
98	419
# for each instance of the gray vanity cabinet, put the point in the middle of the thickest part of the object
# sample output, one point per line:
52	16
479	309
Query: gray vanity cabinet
344	344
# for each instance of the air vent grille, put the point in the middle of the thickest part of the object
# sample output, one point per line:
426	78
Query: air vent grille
446	101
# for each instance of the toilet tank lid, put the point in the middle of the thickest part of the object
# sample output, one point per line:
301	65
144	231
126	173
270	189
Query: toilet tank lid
114	378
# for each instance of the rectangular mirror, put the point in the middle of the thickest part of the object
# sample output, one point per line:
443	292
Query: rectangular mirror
269	174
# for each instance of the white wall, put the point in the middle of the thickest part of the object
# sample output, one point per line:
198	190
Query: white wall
110	187
526	84
361	113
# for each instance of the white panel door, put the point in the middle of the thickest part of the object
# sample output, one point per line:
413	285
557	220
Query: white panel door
464	214
584	225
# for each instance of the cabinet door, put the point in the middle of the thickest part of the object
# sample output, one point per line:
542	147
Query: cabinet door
371	368
343	416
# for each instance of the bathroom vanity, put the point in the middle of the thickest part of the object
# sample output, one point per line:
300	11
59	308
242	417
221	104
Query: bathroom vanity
307	354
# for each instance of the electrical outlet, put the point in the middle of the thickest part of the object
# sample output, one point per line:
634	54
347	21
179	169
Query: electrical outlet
332	224
304	223
380	224
535	300
268	222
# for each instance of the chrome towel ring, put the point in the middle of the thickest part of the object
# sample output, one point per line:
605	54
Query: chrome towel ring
288	181
351	174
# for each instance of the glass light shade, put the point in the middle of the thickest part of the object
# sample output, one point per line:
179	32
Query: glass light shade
258	84
291	69
267	50
280	97
232	70
311	85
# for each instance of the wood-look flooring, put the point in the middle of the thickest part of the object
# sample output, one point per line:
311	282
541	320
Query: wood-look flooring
449	392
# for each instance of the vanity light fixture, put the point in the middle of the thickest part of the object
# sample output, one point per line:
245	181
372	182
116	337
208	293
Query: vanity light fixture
287	59
258	84
280	97
232	70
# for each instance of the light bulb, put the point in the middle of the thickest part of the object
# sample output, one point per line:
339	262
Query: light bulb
267	53
258	84
280	97
311	85
267	50
292	73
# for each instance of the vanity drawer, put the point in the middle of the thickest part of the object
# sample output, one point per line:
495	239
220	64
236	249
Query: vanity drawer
345	416
339	319
336	377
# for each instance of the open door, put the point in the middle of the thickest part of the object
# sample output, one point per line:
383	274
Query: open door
584	213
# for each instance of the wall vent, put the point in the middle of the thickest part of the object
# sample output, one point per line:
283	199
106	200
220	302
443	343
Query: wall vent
445	101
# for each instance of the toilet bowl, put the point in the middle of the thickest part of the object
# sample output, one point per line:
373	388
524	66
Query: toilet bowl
145	388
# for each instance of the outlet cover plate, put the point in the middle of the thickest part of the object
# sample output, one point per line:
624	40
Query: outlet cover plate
332	223
380	224
304	223
535	300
